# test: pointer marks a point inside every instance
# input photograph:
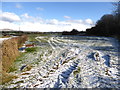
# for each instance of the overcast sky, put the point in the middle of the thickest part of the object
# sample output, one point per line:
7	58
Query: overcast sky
52	16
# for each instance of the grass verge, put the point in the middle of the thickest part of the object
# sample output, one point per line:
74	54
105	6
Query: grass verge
5	77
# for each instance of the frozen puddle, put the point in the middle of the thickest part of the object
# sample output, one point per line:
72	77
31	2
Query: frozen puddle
73	62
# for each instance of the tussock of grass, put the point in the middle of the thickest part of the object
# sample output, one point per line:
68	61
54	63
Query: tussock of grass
76	71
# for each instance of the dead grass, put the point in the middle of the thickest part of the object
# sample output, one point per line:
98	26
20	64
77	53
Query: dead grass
27	68
75	72
12	68
5	77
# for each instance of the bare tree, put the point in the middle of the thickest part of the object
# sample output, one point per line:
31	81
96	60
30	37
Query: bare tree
116	12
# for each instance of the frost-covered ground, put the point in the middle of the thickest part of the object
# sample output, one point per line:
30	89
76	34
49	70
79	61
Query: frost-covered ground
2	39
71	62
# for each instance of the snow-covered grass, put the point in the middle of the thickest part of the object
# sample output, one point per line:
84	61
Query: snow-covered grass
2	39
70	62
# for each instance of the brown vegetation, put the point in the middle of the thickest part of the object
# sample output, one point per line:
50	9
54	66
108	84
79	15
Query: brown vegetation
5	77
9	52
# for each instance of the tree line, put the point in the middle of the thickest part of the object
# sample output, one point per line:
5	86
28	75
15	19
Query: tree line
108	25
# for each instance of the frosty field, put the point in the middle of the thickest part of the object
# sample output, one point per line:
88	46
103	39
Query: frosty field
69	62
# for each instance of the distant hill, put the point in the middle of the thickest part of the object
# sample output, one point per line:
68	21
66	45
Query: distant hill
7	29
